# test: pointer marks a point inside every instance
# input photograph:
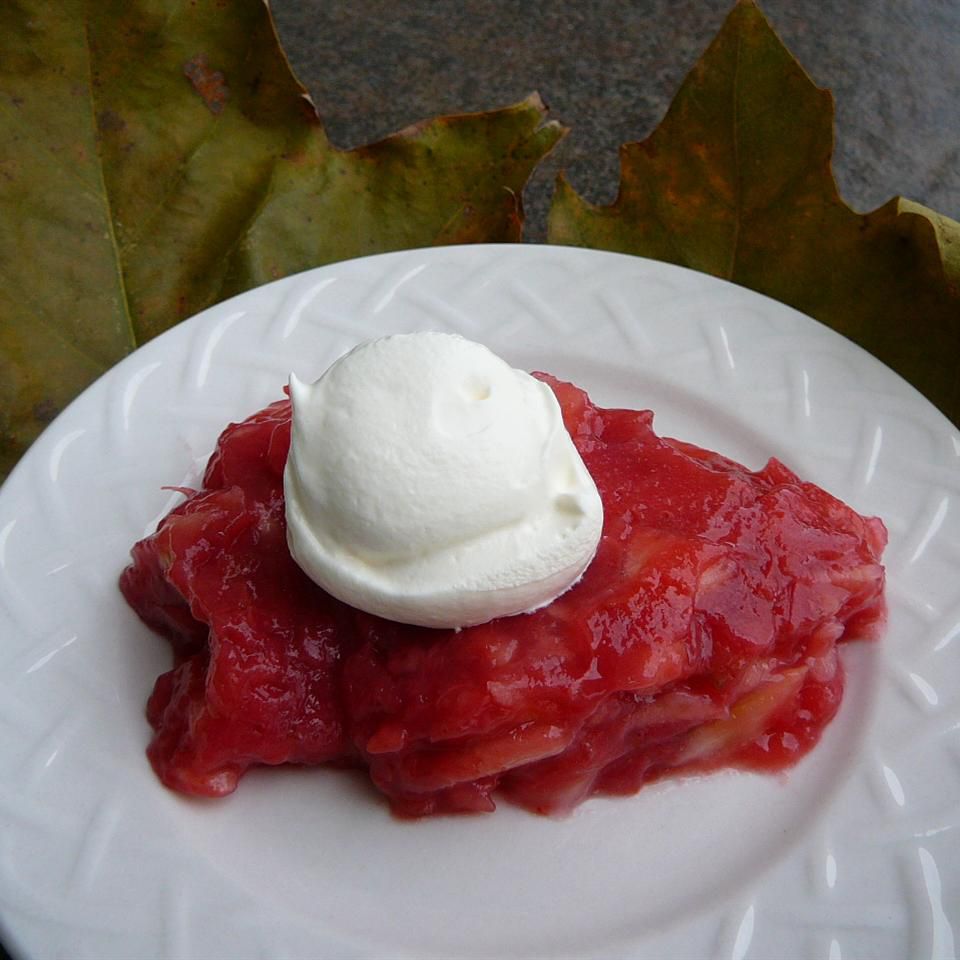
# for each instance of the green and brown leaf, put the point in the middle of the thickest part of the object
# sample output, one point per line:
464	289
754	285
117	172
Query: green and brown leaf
160	156
737	182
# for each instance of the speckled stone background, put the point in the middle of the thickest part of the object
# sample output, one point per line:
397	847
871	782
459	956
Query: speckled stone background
609	69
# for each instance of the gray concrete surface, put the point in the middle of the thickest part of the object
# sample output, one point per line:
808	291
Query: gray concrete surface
609	69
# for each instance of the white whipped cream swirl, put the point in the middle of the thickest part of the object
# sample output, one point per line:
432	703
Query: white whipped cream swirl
430	483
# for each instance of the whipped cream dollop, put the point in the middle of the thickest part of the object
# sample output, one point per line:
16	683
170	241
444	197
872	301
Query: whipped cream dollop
430	483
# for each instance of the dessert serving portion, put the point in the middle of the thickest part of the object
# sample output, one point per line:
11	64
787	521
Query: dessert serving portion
703	632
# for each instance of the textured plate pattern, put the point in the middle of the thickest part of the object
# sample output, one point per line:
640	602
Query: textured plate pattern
854	854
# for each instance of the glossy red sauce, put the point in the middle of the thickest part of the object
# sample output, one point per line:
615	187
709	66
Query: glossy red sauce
703	634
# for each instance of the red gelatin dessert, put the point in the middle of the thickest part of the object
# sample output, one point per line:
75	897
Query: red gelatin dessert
703	634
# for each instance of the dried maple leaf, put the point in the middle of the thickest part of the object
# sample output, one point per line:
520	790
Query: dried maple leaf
160	156
737	182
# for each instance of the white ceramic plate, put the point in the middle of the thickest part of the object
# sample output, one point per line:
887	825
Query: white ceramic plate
855	853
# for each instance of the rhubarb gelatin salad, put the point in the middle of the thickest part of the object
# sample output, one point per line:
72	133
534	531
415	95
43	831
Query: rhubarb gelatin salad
704	633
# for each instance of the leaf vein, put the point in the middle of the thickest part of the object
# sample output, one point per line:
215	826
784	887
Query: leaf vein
737	173
108	207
